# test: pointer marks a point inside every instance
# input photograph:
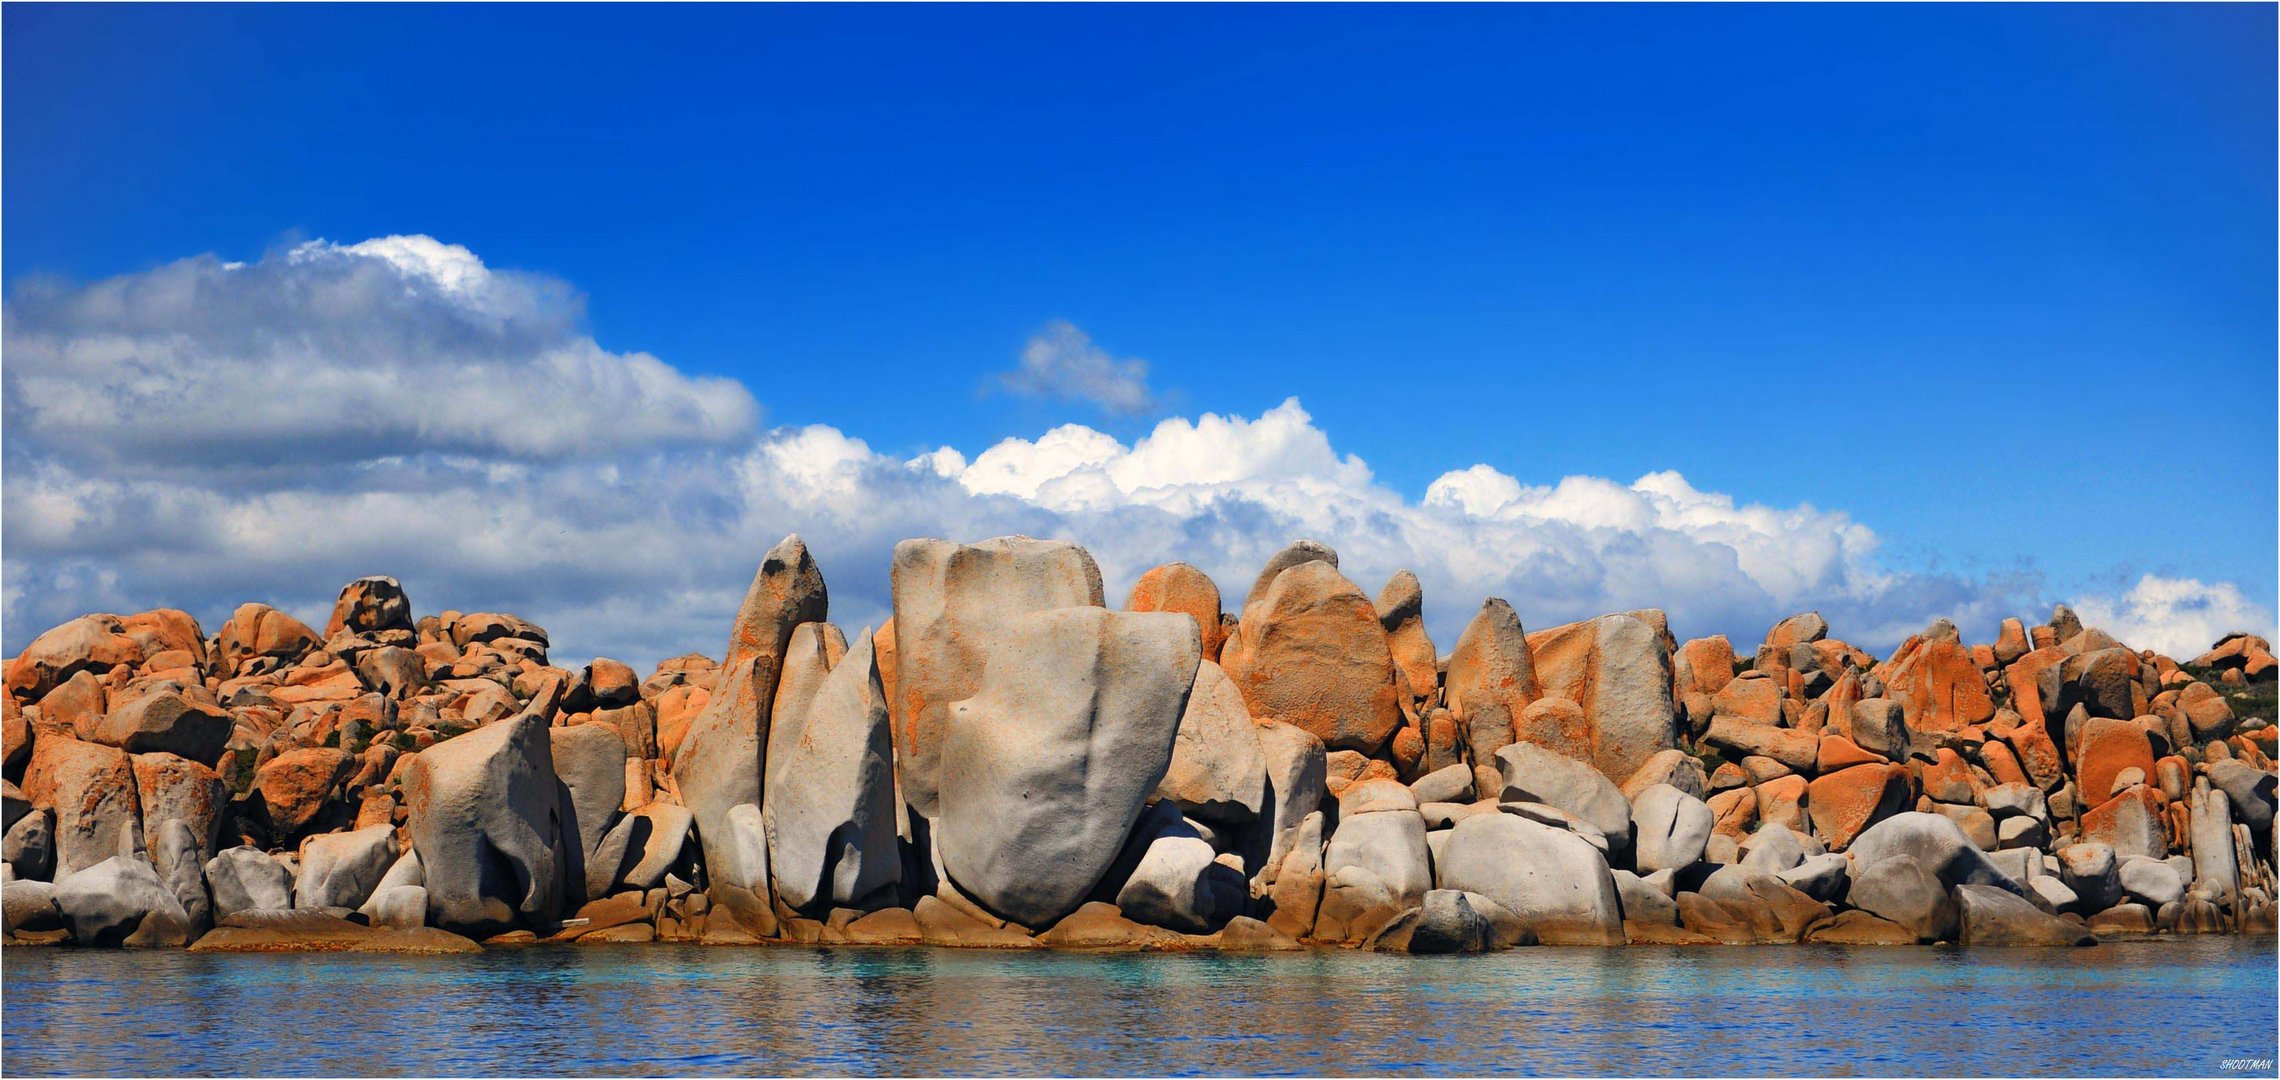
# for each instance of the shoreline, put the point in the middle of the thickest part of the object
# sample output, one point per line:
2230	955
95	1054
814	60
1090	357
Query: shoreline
1009	763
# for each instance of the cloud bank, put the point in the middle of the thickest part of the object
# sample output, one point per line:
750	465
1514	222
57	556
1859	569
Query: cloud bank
207	433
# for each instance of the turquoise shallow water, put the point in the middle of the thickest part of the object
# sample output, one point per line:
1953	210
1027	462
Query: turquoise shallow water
2173	1007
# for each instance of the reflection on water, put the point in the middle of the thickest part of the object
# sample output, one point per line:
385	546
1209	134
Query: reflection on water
2158	1007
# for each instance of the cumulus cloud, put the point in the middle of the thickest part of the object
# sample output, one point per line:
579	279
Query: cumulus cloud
1061	362
325	354
2178	617
181	437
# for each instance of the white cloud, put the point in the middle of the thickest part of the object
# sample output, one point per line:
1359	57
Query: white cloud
2177	617
199	436
1061	362
328	353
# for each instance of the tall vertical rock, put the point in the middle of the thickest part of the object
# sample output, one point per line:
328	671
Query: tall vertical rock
1045	769
1491	683
828	808
1617	669
485	815
950	601
719	763
1401	610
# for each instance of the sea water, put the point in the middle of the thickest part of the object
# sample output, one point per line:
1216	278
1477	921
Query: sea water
2201	1006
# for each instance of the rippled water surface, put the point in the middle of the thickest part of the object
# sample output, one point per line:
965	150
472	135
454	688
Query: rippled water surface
2152	1008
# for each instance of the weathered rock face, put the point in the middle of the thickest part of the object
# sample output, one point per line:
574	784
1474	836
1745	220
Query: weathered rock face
1673	826
1311	652
1937	684
1938	845
1900	889
1168	876
1990	916
1535	774
950	601
589	764
121	901
92	643
485	815
718	771
1555	882
1401	610
370	605
343	869
165	721
1376	864
257	631
1492	681
1044	770
91	788
1297	773
244	879
828	808
1617	668
1187	590
1218	772
171	788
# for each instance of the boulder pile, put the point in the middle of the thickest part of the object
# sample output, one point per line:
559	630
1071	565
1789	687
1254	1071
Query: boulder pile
1009	762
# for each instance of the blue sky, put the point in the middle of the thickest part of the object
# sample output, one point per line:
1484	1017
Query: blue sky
1994	282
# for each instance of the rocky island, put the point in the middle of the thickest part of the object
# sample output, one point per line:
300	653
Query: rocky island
1010	763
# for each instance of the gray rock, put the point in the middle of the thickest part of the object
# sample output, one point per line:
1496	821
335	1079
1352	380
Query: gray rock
1777	848
1546	814
179	857
589	763
1902	890
30	906
949	600
1822	877
485	814
402	873
1939	846
1297	777
1441	815
2093	872
30	845
643	845
2214	863
1043	772
829	804
121	901
2054	892
1534	774
1218	772
166	720
399	907
1299	553
1453	784
1677	768
2250	790
1643	901
244	879
1674	828
1991	916
1296	894
2152	882
1175	880
718	766
342	869
1555	882
2015	800
2021	833
1389	845
1444	922
1880	726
